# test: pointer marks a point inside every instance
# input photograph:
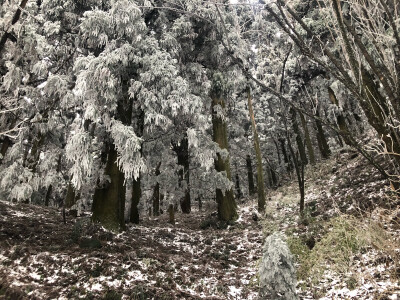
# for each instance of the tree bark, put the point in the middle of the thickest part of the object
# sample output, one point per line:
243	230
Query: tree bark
340	119
260	175
299	140
307	138
136	195
237	185
299	167
225	201
109	200
286	159
373	103
252	188
322	142
136	185
156	194
182	151
70	198
171	214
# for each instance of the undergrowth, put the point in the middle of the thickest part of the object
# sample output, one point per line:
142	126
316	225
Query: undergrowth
344	239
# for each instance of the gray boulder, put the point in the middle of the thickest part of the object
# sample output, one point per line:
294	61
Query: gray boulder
277	275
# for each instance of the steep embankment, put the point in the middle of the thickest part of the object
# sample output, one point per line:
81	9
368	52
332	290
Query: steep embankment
347	245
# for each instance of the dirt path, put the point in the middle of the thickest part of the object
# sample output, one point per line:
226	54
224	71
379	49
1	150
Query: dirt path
41	258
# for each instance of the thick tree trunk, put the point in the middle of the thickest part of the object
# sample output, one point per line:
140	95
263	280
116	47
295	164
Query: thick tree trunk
48	194
109	200
182	151
260	175
136	195
70	198
307	138
226	201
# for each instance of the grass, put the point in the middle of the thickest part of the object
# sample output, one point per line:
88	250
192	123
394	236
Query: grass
345	237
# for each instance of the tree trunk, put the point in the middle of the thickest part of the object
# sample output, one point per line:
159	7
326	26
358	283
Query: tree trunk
70	197
136	195
340	119
260	175
50	188
200	202
299	167
156	194
225	201
307	138
48	194
322	142
109	200
252	188
238	190
286	159
182	151
277	151
274	180
136	185
299	140
171	214
374	104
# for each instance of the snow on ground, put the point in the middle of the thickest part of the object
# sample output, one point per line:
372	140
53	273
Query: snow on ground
38	257
337	188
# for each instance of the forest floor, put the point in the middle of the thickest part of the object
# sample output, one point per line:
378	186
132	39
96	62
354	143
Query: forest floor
41	258
347	246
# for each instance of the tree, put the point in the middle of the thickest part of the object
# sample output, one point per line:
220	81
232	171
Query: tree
260	176
225	199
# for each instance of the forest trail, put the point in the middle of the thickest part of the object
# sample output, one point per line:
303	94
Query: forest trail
43	258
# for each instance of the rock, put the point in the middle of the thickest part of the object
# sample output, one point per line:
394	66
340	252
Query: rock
277	273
